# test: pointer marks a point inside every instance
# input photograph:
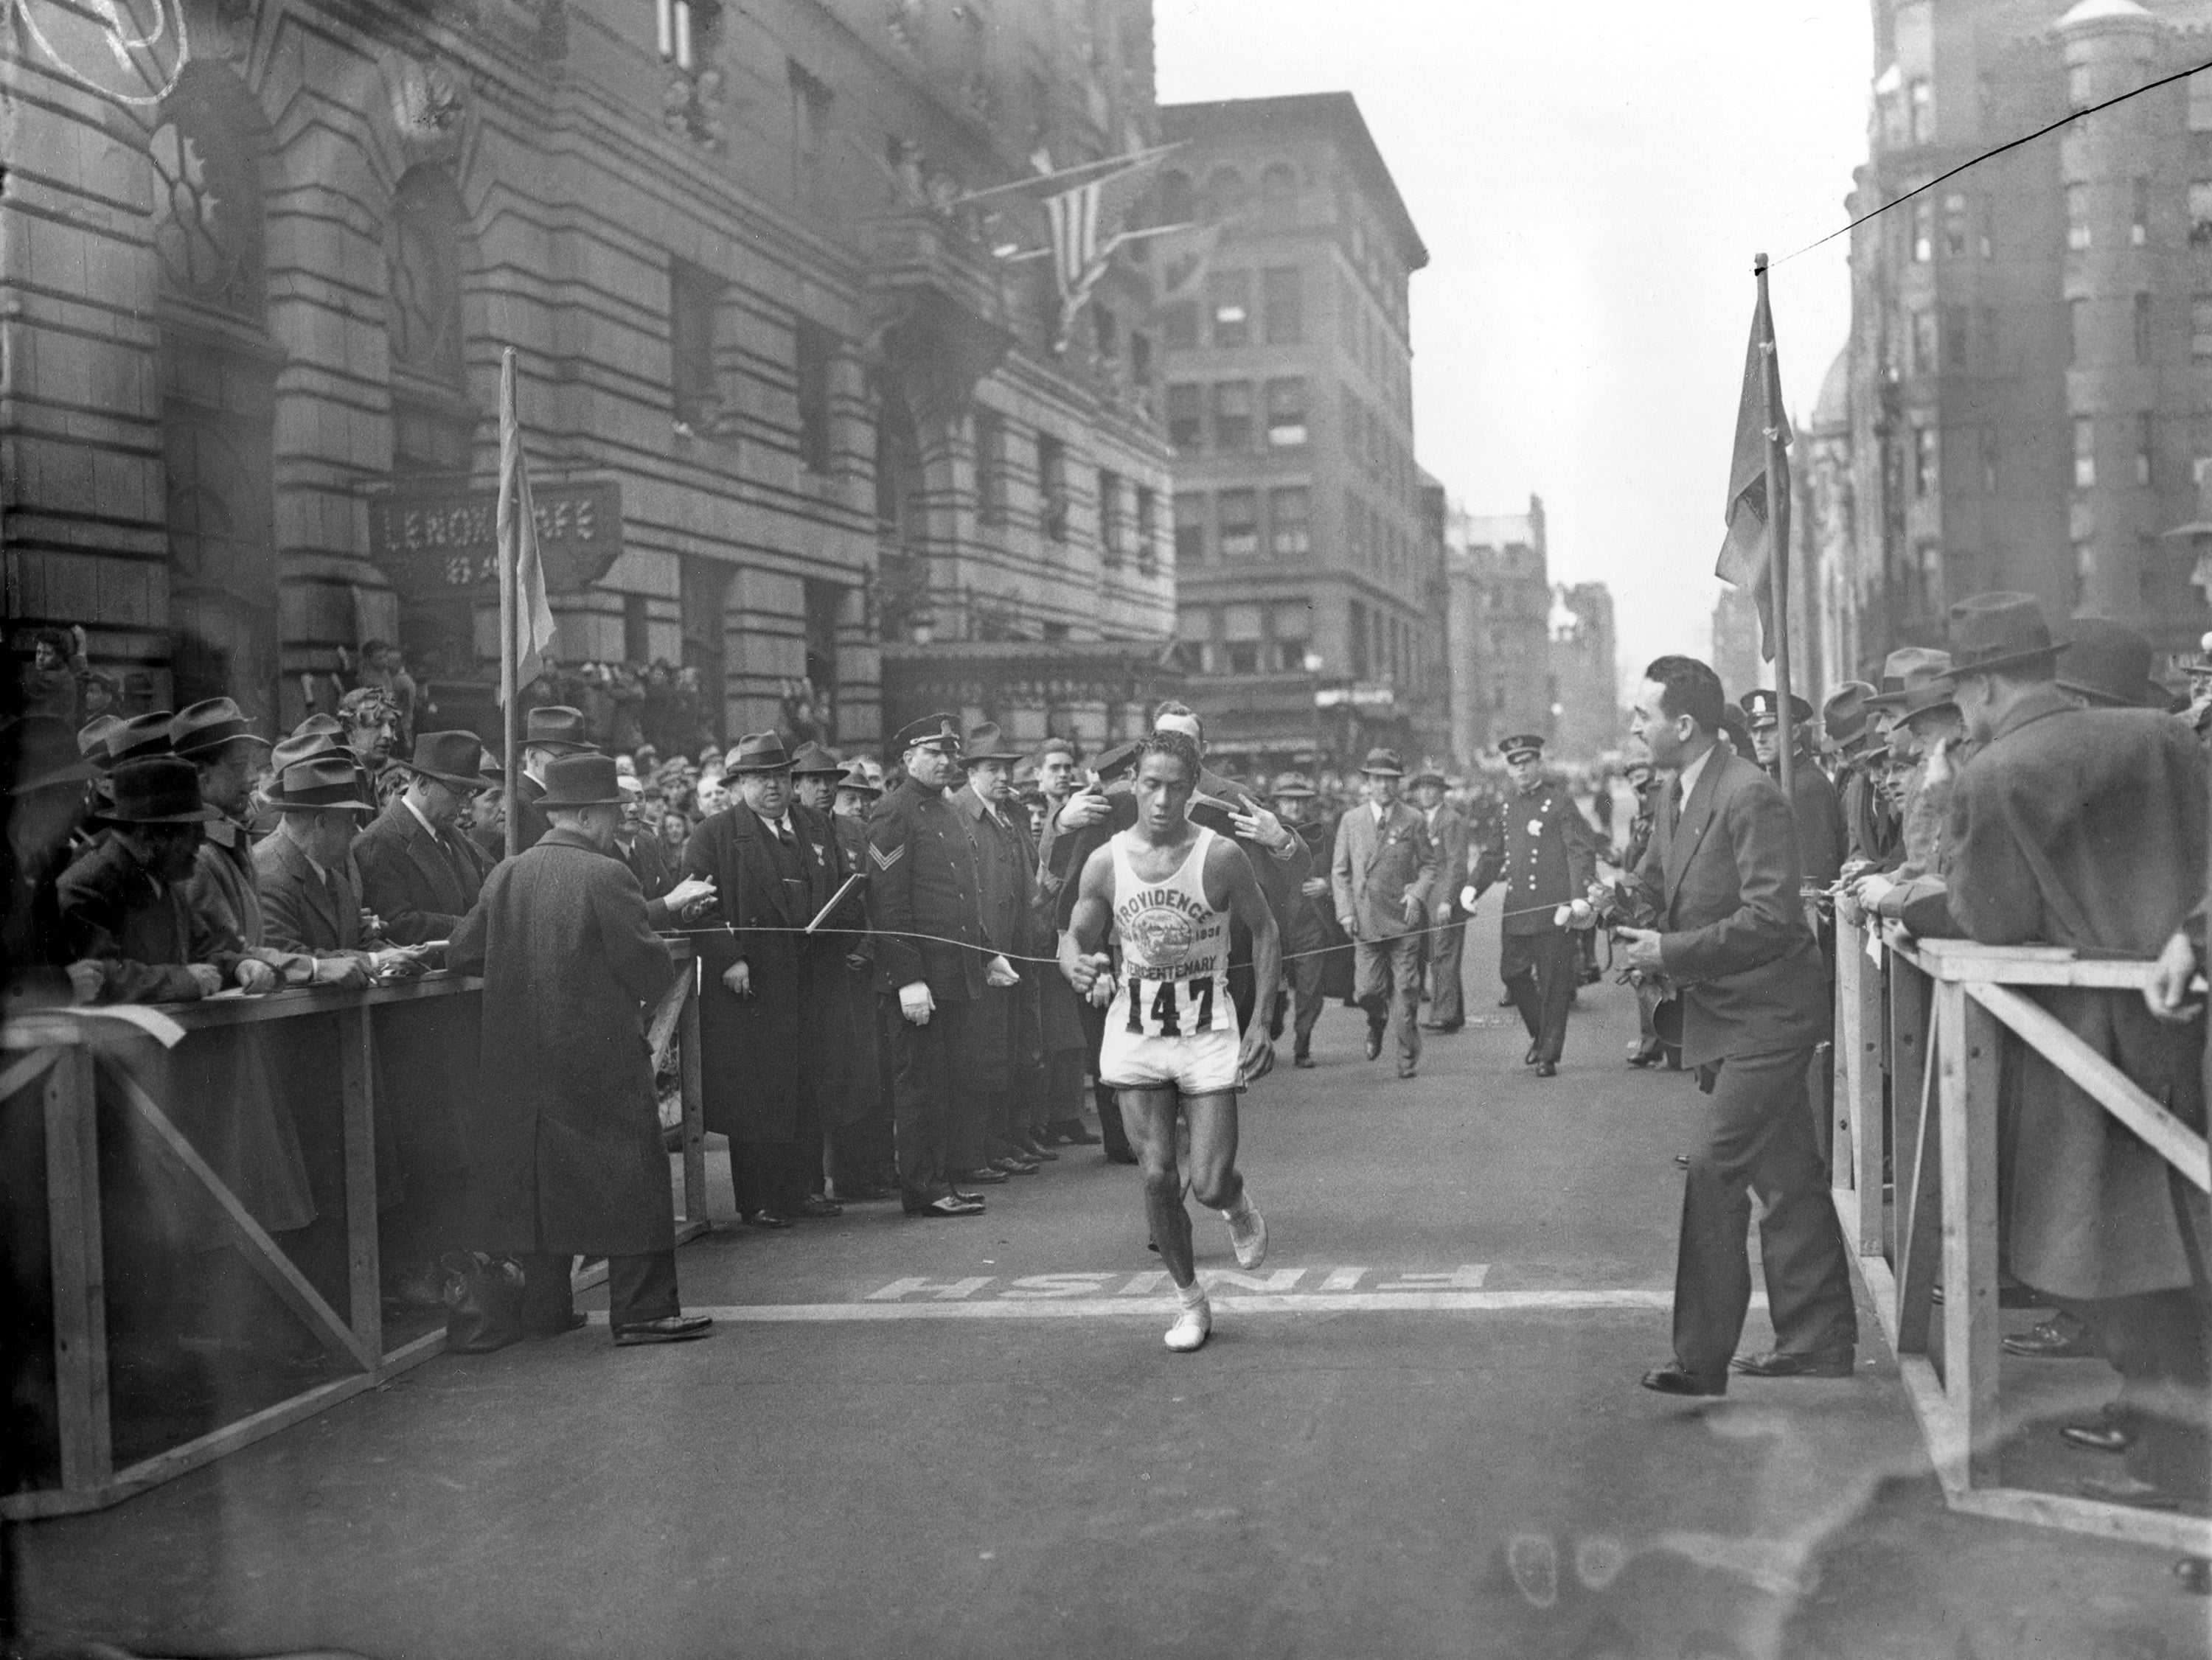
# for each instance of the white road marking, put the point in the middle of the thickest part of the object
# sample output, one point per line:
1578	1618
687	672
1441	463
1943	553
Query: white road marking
1150	1307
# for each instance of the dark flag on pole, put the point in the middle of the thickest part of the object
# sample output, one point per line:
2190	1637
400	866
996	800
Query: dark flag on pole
1747	558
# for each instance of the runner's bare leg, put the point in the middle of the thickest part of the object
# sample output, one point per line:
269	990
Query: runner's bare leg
1149	1117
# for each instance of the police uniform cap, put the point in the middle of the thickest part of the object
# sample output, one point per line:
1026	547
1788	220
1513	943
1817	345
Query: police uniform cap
1522	743
938	731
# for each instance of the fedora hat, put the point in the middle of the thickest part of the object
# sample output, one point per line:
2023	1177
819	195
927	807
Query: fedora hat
813	760
987	742
1845	714
1293	786
159	789
38	753
451	758
318	782
1520	744
1999	631
1429	772
201	729
306	746
92	740
1384	763
1908	667
855	778
582	780
938	731
557	726
140	738
1926	700
2110	665
758	751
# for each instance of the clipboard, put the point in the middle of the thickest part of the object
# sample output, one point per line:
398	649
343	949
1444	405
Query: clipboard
835	900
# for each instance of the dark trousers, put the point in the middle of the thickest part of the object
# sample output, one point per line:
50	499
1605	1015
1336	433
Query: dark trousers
1757	1136
778	1175
1447	1001
1063	1088
639	1289
1111	1133
1541	970
933	1112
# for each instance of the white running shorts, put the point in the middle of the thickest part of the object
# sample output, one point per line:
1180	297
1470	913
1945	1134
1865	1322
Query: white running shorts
1199	1064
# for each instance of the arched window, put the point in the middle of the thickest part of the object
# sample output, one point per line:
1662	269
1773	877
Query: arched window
1225	193
1279	187
1178	201
208	212
424	244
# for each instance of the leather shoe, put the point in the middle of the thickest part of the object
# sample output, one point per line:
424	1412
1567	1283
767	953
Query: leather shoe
1650	1056
669	1328
1014	1164
2052	1341
1547	1069
1033	1149
814	1205
1821	1363
1439	1026
1076	1133
2102	1436
1408	1071
1302	1061
860	1193
1121	1155
765	1218
1375	1043
1506	1002
952	1204
987	1177
1532	1056
1672	1381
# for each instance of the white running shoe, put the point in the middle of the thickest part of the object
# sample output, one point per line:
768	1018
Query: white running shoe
1191	1329
1248	1232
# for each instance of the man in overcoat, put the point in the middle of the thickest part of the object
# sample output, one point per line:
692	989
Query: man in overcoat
1543	850
1452	835
1314	947
1716	910
767	1023
548	732
568	1159
1002	1065
2086	827
1383	870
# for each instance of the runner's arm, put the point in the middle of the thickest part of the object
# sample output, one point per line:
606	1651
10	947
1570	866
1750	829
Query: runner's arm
1086	928
1226	863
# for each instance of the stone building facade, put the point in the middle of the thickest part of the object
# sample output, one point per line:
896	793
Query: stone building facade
1498	615
1585	679
1304	603
790	417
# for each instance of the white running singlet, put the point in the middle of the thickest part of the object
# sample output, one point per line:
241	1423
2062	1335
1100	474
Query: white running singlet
1171	1024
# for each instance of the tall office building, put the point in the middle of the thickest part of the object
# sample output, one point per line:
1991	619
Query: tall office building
1305	580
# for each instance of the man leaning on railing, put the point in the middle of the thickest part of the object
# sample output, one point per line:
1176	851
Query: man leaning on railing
2084	828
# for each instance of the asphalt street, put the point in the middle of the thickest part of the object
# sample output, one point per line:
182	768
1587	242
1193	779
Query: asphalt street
1417	1431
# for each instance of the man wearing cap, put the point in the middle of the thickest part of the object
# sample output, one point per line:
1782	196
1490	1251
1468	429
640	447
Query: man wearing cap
1454	842
767	1024
566	1148
1382	873
1316	951
1543	849
931	963
2086	828
1848	724
814	775
1819	811
550	731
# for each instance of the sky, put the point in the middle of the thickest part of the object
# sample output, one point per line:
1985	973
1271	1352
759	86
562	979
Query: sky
1592	181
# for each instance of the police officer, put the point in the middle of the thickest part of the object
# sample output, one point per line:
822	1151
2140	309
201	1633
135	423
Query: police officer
1543	849
931	963
1818	810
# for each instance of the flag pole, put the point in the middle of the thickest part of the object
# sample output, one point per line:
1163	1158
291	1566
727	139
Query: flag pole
508	690
1777	553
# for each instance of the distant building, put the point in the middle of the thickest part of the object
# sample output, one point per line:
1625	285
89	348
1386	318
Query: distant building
1499	609
1305	595
1585	681
1735	645
2029	390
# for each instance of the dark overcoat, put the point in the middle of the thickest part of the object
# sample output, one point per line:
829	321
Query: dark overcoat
758	1052
2086	827
1005	882
565	1133
419	883
1316	929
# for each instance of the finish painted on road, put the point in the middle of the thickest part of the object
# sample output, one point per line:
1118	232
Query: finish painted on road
1083	1308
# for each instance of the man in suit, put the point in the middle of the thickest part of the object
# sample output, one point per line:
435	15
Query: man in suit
1545	853
548	732
1447	828
310	897
413	872
1716	908
1383	874
567	1137
1312	943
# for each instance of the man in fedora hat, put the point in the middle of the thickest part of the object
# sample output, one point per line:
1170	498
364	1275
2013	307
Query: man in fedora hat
1004	1064
1382	873
311	896
1848	722
2086	828
930	956
414	872
1544	851
814	774
215	735
1456	858
550	731
767	1023
1928	730
566	1153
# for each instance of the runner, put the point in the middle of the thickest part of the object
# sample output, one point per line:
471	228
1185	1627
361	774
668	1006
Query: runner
1167	889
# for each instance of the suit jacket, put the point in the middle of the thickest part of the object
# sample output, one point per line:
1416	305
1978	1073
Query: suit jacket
302	913
530	823
1819	815
1005	873
1377	868
1455	839
1720	883
421	885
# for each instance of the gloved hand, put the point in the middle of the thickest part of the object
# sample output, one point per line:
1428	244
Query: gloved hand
915	1002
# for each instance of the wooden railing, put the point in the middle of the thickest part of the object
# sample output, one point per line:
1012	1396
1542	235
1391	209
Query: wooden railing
1921	1028
53	1063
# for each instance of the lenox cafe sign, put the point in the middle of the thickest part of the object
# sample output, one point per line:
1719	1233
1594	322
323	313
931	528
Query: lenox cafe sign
443	544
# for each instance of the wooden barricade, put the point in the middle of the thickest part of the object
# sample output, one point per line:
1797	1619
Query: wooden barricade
54	1062
1921	1027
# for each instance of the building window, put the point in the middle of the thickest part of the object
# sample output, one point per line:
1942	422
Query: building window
812	351
1924	462
1286	413
2139	219
1229	294
1240	523
1924	231
2077	334
1355	630
2085	572
1289	510
1232	417
810	130
1140	360
2077	217
1989	461
2142	328
1052	485
1179	325
1186	417
2085	452
1954	225
1282	291
2146	441
1148	557
1922	97
1954	337
1226	193
1278	188
1190	527
991	466
1924	361
2200	214
693	296
1110	523
1293	627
